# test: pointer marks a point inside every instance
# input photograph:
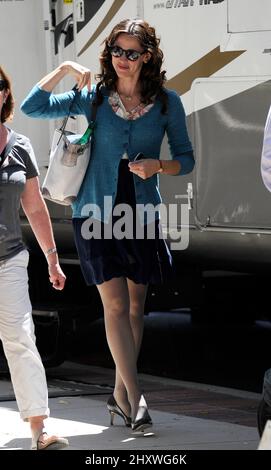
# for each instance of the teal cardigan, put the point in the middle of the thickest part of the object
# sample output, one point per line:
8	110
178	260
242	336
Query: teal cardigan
113	136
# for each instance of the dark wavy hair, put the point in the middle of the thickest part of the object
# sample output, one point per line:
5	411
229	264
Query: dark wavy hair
8	106
152	78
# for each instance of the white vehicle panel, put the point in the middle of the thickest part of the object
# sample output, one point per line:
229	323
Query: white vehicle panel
249	15
23	56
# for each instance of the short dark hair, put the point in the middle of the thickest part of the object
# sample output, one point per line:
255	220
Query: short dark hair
8	106
152	78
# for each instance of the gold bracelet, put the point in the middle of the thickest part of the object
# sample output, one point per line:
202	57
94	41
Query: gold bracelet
50	251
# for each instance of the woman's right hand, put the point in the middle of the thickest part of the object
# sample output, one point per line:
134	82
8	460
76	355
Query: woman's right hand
79	72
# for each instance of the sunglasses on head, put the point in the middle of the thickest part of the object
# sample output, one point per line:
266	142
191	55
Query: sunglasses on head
3	84
130	54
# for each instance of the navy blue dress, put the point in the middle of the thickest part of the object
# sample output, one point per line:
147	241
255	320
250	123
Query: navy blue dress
143	261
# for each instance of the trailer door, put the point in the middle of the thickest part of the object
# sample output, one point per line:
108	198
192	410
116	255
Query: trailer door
228	142
248	25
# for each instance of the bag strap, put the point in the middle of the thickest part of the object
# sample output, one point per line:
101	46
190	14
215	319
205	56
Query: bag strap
8	147
65	120
94	107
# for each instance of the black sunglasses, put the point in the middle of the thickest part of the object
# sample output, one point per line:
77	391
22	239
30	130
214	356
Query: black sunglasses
3	85
130	54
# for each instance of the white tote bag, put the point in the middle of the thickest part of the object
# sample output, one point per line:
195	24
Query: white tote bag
69	159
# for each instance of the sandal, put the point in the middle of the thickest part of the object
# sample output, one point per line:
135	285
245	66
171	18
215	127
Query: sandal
51	443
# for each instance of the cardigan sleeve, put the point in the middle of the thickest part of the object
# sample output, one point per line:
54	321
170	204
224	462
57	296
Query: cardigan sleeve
178	139
46	105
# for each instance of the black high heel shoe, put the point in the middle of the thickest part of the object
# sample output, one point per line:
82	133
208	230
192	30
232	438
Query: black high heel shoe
143	419
114	409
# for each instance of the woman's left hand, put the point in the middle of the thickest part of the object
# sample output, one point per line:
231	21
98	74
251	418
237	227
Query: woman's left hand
56	276
145	168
